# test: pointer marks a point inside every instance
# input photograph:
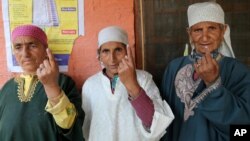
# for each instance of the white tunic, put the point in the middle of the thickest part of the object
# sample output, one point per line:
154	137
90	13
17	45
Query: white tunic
111	117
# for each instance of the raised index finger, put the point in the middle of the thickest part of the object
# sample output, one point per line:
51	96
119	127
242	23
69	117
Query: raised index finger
130	56
208	56
50	57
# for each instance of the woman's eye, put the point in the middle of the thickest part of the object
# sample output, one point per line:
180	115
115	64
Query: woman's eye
17	47
105	51
197	30
119	49
33	45
212	28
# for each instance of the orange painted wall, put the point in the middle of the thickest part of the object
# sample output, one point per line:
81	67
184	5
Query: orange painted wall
83	61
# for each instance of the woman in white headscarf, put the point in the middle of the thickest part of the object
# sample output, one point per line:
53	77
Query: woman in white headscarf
120	102
208	90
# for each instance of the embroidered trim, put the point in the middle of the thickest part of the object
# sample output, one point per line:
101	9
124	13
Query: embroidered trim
70	110
208	90
200	98
194	56
186	86
113	83
20	89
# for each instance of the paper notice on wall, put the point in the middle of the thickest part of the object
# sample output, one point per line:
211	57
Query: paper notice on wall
62	21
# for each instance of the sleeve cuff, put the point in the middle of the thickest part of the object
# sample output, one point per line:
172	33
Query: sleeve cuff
60	106
144	108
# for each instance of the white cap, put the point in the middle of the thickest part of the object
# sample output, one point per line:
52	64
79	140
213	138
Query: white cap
212	12
112	34
205	11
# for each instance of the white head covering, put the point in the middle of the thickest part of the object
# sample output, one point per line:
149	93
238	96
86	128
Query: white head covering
112	34
211	11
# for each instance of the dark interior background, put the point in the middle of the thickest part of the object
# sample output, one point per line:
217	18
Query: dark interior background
161	31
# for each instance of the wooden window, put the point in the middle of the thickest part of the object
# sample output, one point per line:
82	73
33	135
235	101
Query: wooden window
161	31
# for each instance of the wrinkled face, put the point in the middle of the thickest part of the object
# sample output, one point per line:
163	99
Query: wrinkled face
29	53
111	54
206	35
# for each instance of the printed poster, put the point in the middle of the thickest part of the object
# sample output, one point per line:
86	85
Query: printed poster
62	21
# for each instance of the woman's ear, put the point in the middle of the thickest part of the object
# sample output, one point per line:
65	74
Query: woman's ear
98	53
189	34
224	28
188	30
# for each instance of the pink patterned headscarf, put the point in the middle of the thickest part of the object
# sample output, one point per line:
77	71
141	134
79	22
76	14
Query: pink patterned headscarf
30	30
